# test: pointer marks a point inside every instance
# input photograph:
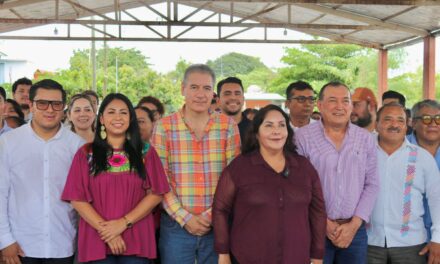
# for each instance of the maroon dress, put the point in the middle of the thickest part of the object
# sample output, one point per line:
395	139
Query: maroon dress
276	217
113	194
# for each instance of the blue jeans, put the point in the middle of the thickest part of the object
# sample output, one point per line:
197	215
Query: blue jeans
177	246
115	259
355	253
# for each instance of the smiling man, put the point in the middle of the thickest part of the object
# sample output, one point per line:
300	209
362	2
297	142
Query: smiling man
231	94
345	157
35	225
407	173
194	146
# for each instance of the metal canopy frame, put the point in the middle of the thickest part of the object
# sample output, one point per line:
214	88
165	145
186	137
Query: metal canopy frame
217	17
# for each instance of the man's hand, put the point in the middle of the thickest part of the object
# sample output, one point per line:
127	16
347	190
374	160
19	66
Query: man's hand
224	259
316	261
198	225
347	232
117	245
11	253
112	229
434	252
331	230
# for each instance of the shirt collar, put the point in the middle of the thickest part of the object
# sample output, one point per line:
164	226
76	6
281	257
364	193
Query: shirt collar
257	159
207	127
5	127
56	136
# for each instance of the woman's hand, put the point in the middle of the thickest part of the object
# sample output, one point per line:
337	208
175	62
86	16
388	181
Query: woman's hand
111	229
224	259
316	261
117	245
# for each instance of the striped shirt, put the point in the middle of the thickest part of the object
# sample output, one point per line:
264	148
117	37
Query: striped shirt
193	166
349	176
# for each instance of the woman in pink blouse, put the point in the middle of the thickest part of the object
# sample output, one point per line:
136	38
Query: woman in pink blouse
114	187
268	206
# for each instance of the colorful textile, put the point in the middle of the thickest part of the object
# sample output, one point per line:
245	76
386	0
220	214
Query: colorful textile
193	165
409	180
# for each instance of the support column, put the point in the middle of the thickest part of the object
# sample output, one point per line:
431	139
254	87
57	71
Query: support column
429	67
382	75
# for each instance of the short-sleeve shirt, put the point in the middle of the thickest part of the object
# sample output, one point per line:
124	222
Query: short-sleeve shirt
113	194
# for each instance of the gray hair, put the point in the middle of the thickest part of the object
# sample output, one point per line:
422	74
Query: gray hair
425	103
201	68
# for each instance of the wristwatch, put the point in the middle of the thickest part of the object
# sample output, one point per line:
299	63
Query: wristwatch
128	223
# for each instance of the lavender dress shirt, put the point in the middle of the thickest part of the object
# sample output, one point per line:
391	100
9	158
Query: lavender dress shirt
349	176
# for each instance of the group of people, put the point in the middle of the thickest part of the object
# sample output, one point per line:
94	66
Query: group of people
197	186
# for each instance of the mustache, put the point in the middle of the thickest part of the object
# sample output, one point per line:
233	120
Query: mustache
394	129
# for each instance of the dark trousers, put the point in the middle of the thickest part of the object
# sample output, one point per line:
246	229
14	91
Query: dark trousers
28	260
355	253
398	255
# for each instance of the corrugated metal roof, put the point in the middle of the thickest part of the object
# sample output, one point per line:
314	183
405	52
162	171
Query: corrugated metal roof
378	24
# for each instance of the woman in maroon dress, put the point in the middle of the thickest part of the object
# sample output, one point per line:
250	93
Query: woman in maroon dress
268	207
114	187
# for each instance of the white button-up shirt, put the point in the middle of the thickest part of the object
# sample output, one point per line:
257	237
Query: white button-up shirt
32	177
388	214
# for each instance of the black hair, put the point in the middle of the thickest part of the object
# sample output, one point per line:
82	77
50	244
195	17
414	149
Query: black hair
392	104
49	85
228	80
152	100
132	146
330	84
146	110
18	120
251	142
299	86
17	107
18	82
3	93
250	110
394	95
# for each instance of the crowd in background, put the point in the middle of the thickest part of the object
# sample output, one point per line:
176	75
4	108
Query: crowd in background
115	181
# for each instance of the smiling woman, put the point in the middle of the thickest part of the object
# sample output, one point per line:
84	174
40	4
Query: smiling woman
124	185
81	116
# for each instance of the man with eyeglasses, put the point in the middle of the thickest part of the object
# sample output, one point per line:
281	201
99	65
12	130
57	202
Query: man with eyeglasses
300	101
426	134
35	225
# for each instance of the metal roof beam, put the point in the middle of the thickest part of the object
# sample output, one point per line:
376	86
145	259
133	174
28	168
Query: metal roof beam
150	28
266	10
154	10
100	31
345	2
195	11
87	9
201	23
191	27
364	19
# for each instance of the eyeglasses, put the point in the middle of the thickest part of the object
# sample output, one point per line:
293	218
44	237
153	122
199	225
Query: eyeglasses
427	119
303	99
44	105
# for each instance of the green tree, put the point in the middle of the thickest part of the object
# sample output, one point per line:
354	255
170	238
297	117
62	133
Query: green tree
233	63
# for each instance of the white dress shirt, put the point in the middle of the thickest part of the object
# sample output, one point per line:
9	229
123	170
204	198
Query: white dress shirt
387	217
32	177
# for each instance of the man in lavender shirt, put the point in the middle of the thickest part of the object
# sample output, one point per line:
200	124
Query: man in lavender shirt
346	160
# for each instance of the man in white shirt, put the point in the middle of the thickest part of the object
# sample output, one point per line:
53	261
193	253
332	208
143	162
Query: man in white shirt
36	227
3	124
407	172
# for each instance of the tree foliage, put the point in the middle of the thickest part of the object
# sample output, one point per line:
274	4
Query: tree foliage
233	63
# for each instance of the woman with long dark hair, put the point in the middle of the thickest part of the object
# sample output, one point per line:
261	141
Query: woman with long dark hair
114	187
273	197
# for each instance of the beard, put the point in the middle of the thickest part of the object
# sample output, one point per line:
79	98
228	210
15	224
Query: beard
363	121
231	113
24	106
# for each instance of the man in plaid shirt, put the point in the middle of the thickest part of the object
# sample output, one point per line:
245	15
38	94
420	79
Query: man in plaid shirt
194	147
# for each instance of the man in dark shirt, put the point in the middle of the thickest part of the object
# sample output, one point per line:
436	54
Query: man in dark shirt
231	94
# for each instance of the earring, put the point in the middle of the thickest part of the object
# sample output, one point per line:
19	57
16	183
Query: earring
128	136
103	133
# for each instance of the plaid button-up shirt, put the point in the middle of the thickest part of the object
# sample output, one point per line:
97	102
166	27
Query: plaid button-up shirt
193	165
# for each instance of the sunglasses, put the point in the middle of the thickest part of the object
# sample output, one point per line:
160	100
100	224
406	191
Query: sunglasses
427	119
44	105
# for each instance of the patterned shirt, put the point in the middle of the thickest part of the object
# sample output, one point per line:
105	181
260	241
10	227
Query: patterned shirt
193	166
348	175
406	176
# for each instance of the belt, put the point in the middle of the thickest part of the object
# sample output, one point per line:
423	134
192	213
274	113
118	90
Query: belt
342	221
